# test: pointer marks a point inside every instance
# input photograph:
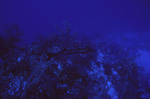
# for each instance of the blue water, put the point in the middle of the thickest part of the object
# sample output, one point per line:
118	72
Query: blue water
75	49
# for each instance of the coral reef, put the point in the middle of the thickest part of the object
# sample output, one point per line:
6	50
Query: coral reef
65	67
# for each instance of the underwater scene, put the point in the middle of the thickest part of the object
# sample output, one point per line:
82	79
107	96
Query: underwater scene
79	49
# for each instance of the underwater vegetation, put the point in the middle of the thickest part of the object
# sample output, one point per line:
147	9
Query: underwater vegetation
65	67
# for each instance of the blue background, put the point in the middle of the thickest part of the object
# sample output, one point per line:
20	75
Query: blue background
85	16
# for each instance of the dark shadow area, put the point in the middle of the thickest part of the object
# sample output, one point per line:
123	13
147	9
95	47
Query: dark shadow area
67	65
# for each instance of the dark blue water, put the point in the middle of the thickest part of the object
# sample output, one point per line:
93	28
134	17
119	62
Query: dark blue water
75	49
88	16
